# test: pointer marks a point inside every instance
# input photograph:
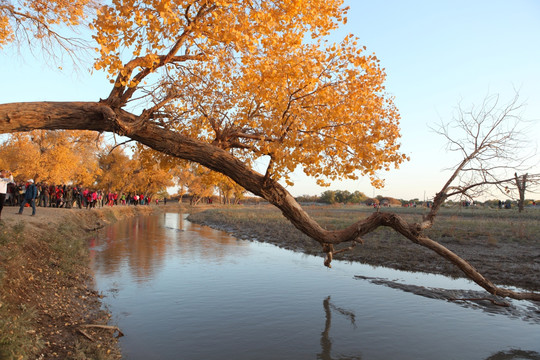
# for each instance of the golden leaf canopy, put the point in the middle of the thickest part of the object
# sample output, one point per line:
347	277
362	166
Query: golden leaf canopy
258	78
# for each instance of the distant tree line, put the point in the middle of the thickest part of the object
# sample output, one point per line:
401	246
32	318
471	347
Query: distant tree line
347	197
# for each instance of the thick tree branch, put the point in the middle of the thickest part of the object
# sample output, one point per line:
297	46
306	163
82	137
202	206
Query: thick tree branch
97	116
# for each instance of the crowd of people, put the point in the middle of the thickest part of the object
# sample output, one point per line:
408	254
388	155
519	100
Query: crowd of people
61	196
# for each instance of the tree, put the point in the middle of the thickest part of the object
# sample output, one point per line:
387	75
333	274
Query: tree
117	170
521	184
328	197
358	197
55	157
240	81
202	184
182	176
489	137
524	183
230	192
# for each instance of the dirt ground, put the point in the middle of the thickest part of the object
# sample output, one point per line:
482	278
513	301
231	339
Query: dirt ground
46	278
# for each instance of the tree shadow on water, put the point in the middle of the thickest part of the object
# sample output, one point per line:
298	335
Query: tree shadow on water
525	310
515	354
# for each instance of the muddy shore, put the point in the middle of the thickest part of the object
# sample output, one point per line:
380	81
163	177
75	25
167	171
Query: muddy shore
500	255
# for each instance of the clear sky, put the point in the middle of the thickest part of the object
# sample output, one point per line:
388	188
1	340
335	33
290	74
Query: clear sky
436	54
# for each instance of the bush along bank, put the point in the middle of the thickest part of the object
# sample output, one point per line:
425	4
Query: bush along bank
48	309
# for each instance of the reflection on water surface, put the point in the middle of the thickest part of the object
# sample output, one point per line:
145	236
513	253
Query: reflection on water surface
181	291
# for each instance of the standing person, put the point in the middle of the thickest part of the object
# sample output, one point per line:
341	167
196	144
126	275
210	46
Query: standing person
52	195
77	196
10	195
20	192
5	178
68	196
29	197
86	199
59	196
93	199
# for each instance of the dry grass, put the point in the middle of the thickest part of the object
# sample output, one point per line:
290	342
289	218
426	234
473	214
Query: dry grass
462	225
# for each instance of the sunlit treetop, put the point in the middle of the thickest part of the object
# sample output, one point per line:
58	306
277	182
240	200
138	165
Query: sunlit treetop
55	157
257	78
39	20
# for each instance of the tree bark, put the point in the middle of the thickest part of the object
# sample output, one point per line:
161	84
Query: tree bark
100	117
521	183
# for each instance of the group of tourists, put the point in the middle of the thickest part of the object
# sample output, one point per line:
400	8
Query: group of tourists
60	196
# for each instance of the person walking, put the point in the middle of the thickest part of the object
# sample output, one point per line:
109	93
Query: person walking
29	197
5	178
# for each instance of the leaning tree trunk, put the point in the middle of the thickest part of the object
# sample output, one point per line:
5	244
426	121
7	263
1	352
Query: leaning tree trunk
100	117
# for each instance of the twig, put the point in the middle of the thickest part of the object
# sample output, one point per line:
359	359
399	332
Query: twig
86	334
107	327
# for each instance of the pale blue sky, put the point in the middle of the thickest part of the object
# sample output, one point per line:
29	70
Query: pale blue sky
436	53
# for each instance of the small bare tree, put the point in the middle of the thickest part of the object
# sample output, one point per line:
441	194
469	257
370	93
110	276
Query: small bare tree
524	183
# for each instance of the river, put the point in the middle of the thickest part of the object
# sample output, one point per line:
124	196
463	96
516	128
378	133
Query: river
179	290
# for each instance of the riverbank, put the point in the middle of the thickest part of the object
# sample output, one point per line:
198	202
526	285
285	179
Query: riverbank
503	245
48	308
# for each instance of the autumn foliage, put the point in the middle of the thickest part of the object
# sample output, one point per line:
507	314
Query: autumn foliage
256	78
81	157
31	21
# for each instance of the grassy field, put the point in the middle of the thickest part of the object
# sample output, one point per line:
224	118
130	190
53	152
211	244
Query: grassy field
501	243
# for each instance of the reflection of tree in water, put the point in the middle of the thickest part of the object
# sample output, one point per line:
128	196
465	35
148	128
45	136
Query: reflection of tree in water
515	354
326	341
144	242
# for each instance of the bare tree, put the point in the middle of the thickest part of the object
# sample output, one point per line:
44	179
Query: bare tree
521	184
493	146
488	139
524	183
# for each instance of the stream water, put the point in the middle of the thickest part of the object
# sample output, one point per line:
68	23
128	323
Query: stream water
183	291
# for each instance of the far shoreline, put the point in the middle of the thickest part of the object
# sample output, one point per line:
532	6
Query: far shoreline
509	257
